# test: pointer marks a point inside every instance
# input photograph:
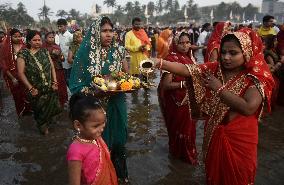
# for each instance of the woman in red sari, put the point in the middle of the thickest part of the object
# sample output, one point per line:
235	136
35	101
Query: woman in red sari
11	46
231	94
57	58
213	45
173	95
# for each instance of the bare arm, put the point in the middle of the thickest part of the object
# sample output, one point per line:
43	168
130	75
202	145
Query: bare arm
168	84
173	67
70	57
125	66
53	73
74	171
269	60
246	105
21	72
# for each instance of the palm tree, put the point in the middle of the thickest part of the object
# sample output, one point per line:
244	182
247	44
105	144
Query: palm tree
129	7
176	6
169	5
45	13
74	14
62	14
110	3
160	6
151	8
98	8
137	8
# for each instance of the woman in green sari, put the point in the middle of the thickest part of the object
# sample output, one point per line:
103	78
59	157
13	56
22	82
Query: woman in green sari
37	72
100	55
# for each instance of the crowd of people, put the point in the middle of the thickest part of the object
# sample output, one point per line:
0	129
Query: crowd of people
239	77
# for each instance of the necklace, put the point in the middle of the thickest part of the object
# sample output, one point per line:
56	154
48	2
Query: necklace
40	67
85	140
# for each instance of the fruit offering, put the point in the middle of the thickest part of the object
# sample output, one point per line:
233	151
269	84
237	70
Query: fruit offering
117	81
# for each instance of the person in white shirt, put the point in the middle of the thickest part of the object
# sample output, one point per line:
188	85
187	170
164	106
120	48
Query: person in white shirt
65	38
203	37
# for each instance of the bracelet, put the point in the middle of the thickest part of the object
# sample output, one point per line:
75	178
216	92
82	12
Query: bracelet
181	84
220	90
161	63
55	83
31	89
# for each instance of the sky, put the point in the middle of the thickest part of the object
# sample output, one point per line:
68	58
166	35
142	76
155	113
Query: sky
84	6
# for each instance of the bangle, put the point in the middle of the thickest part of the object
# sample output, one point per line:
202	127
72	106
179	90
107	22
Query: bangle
31	89
161	63
55	83
181	84
184	84
220	90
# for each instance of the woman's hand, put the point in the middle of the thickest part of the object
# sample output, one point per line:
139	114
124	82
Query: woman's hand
211	81
54	86
157	62
15	81
33	91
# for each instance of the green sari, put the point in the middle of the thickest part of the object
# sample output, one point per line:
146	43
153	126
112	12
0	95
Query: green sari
38	72
92	60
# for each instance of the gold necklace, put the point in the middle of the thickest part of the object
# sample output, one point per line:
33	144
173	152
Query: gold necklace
85	140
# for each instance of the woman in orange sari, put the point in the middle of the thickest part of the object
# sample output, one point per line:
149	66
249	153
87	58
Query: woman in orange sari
213	45
163	43
172	96
231	94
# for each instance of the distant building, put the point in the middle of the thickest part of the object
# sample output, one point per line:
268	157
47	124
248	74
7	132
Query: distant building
272	7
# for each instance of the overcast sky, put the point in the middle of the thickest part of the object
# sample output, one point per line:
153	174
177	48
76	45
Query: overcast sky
84	6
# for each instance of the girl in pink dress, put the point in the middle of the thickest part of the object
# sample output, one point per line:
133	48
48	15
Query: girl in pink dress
88	157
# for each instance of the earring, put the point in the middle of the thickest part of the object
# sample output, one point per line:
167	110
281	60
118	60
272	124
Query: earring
78	132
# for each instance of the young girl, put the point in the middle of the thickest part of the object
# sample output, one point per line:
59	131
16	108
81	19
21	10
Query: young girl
88	158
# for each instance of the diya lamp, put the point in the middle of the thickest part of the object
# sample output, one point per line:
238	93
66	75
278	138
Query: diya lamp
112	85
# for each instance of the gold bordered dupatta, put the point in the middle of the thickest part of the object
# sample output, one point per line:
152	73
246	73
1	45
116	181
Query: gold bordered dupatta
256	72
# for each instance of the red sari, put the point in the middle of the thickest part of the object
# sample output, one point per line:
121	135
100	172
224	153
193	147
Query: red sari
230	148
9	64
215	39
180	125
56	59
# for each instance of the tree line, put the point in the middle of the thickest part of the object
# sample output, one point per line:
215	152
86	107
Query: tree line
159	12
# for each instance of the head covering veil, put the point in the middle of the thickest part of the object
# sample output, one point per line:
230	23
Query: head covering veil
92	59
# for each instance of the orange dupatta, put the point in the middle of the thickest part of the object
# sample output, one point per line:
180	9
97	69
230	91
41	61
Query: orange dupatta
106	174
162	44
143	37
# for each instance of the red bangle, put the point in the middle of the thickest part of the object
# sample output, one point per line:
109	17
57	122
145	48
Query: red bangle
220	90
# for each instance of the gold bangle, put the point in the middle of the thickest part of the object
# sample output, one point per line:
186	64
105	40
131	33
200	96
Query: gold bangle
220	90
161	63
181	84
31	89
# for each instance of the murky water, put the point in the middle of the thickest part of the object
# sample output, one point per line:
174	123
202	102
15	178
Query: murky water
28	158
